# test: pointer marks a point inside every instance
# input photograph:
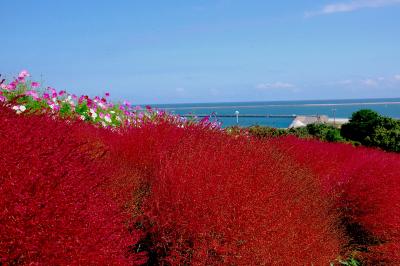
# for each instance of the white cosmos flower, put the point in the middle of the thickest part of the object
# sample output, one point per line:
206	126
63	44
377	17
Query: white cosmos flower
82	117
107	118
19	108
93	113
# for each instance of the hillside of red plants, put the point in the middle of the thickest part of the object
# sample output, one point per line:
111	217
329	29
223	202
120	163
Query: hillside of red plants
364	183
54	207
161	194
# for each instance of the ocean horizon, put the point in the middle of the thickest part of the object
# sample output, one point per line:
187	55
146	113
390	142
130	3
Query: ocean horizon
338	108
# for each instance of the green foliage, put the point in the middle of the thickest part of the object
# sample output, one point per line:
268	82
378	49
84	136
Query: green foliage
351	262
361	126
30	103
371	129
236	130
366	127
333	135
82	108
266	132
321	131
65	109
300	132
324	132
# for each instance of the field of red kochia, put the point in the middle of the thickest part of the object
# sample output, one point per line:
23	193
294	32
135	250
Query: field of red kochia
160	194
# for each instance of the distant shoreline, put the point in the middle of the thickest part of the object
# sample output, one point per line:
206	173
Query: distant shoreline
279	105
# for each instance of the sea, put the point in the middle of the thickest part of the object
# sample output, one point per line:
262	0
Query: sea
332	108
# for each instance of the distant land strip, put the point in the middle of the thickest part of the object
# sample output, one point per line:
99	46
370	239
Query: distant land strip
277	105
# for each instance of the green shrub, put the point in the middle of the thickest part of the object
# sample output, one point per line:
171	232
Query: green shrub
266	132
300	132
324	132
371	129
320	131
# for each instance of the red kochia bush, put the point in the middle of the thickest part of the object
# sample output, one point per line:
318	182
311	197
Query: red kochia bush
54	206
215	199
365	183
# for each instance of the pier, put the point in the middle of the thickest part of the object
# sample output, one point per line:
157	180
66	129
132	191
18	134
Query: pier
244	116
298	120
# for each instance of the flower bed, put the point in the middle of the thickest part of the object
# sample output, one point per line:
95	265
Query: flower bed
25	96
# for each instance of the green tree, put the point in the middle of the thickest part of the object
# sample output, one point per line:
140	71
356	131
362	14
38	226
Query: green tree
361	126
371	129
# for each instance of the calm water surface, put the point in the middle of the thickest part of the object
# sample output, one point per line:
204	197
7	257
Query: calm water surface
342	109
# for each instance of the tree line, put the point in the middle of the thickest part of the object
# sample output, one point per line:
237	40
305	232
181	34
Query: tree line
366	127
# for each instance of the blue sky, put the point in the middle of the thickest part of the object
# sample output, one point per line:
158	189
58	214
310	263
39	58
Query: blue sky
206	50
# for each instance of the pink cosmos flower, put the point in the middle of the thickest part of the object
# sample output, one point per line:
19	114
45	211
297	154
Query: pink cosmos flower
23	74
61	93
102	106
107	94
35	84
138	107
2	98
52	91
46	96
32	93
11	86
127	103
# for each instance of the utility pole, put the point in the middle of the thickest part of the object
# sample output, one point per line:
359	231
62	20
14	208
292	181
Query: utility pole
334	116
